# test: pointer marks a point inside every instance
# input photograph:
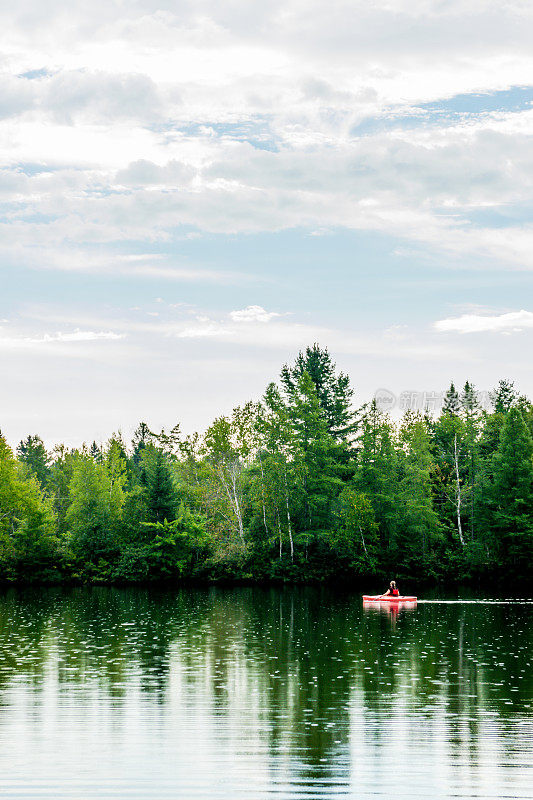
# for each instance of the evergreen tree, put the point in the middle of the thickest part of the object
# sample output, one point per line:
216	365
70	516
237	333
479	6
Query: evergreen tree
377	473
419	532
142	437
171	443
161	495
95	452
319	449
469	401
333	391
490	433
513	492
452	401
526	409
503	397
283	489
32	452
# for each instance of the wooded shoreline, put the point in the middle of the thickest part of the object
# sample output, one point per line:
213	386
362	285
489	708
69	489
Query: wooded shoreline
300	487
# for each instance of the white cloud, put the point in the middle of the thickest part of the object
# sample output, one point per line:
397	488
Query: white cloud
128	129
12	341
279	334
146	173
144	185
202	331
85	259
81	336
193	275
253	314
300	115
512	321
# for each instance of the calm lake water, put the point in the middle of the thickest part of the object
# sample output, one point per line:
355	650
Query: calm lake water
253	693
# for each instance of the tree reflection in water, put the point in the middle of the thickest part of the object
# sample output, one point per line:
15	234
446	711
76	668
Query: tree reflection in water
267	690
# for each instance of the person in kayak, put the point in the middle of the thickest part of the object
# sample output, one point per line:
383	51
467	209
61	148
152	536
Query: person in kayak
392	590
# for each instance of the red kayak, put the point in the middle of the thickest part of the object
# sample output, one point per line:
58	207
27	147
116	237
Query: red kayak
390	598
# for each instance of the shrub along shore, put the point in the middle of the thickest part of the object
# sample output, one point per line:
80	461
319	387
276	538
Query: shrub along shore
300	486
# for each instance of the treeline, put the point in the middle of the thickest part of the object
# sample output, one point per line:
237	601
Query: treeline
298	486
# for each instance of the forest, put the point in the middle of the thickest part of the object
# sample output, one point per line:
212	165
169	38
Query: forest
301	486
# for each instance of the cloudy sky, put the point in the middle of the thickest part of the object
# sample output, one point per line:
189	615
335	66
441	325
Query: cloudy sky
192	191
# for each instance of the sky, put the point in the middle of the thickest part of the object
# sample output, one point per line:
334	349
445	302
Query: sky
190	192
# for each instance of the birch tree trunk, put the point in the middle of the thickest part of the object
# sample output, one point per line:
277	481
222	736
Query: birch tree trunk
288	512
363	540
232	495
237	505
263	492
458	493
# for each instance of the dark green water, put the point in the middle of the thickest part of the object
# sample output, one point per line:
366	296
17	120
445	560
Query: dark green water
250	693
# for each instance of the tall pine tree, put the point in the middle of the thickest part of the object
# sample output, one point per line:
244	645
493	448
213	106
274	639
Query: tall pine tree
452	401
513	493
32	452
333	390
161	495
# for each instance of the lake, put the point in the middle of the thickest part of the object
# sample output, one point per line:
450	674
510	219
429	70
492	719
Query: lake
262	693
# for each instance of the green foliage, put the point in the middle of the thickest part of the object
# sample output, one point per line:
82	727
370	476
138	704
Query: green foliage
168	550
296	487
96	493
419	535
356	535
32	452
317	450
503	397
333	390
513	492
142	437
29	544
449	452
59	483
452	401
377	475
161	495
174	545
